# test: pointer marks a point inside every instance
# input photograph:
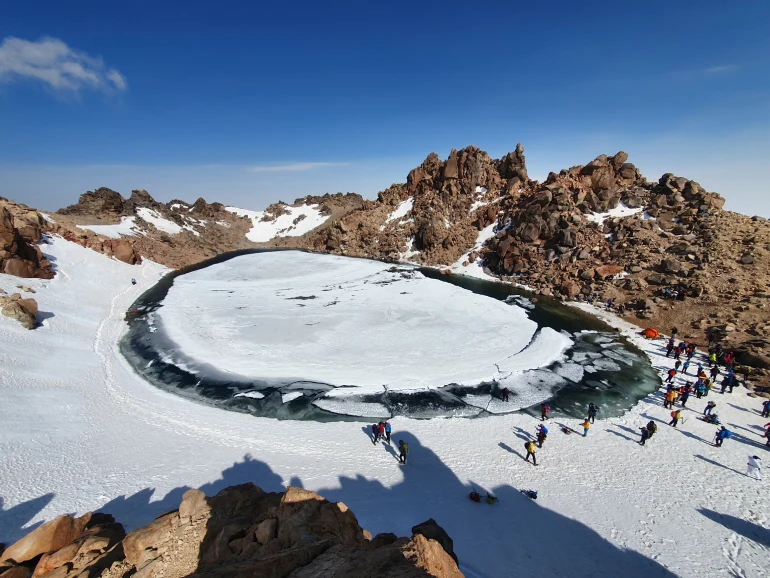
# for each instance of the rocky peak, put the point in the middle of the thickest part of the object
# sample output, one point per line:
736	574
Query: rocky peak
141	198
102	201
242	531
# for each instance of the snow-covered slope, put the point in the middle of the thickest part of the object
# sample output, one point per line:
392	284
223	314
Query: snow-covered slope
128	226
78	431
294	223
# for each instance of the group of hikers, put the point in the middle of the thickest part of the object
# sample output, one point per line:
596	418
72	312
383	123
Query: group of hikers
382	430
719	361
541	432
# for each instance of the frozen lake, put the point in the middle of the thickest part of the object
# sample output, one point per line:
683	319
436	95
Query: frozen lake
300	335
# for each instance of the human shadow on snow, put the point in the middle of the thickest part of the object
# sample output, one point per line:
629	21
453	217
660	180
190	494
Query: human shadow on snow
14	522
140	508
715	463
745	528
515	537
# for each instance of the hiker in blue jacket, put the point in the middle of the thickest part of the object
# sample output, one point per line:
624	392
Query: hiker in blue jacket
593	409
388	430
722	435
766	408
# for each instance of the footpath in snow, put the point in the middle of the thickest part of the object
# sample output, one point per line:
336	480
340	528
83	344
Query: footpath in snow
80	431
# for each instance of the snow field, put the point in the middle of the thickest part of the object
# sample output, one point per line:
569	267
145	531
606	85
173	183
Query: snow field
282	226
79	430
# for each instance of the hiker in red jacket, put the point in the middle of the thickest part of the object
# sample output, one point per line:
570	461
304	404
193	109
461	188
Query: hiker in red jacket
545	411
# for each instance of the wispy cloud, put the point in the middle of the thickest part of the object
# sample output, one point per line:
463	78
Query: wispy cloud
295	167
720	69
51	61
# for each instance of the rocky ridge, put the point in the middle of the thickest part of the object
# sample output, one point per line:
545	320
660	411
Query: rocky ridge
241	532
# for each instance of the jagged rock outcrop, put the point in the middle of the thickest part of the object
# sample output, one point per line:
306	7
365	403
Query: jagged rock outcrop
241	532
101	202
19	232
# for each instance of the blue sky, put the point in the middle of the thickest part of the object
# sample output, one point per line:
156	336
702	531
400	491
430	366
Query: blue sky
248	103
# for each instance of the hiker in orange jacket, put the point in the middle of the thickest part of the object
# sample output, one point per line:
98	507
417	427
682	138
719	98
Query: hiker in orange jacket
675	415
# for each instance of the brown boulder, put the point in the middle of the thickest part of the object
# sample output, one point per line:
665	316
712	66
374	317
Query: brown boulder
23	310
606	271
124	251
49	537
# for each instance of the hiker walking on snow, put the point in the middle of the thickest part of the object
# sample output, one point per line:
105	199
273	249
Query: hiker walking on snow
671	375
645	435
586	426
668	402
714	371
403	450
505	394
380	430
530	447
709	407
375	433
592	411
675	415
685	366
670	347
652	427
388	429
754	468
677	365
542	434
685	396
545	410
722	435
766	408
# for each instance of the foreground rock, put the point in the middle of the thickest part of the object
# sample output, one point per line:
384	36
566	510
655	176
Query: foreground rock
241	532
22	310
19	233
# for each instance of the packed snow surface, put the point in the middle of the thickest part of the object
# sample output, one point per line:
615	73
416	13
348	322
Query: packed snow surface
116	231
80	431
307	218
160	223
401	211
292	315
620	211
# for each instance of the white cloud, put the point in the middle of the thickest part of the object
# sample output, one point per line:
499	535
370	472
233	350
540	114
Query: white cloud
51	61
292	167
720	69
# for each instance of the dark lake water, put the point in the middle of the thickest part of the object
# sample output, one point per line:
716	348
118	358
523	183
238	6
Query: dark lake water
600	367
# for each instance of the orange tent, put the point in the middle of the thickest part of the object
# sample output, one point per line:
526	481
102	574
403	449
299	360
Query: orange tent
651	333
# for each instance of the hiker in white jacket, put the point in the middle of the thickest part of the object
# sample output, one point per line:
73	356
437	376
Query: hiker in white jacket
754	468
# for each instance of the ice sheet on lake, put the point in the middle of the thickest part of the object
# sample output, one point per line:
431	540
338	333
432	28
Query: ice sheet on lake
292	316
352	407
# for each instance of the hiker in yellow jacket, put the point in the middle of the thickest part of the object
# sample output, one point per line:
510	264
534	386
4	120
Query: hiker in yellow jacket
530	447
586	425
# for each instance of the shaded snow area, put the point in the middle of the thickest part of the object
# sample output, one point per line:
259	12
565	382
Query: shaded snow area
620	211
289	316
475	267
124	228
295	223
80	431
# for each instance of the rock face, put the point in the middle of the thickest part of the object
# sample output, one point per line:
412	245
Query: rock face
19	232
241	532
101	202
